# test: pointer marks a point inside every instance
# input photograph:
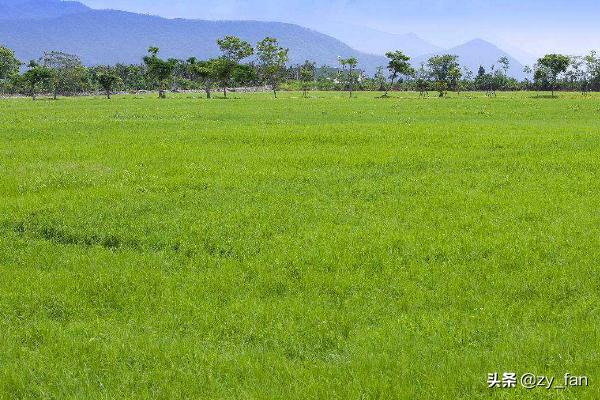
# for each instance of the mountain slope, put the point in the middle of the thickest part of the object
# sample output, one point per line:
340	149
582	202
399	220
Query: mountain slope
38	9
377	42
108	37
479	52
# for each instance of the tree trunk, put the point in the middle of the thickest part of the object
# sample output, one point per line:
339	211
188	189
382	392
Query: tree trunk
391	87
207	90
33	92
108	94
225	92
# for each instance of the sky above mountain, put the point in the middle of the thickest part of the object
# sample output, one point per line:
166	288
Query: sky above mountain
536	26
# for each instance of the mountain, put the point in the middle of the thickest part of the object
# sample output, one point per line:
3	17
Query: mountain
478	52
378	42
38	9
109	36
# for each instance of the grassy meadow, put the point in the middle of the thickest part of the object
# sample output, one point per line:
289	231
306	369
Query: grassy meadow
320	248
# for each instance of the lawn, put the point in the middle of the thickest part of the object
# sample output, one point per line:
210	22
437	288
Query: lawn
321	248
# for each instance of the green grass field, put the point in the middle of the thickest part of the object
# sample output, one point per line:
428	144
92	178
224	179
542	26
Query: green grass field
322	248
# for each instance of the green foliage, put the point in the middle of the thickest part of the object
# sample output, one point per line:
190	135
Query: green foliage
348	74
307	76
440	66
272	59
36	75
399	65
552	65
159	70
234	49
9	64
108	79
69	76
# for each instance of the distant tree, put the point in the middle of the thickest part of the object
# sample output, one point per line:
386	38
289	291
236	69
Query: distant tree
9	64
592	65
504	64
307	76
528	72
233	51
440	67
380	80
204	72
454	79
68	73
35	75
555	64
481	71
107	79
422	82
245	75
349	72
468	75
541	77
160	71
398	66
272	59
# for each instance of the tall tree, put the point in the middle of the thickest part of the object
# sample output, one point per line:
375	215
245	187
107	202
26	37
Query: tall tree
307	76
35	75
203	72
398	66
233	51
272	59
555	65
454	79
107	79
440	67
68	73
9	64
349	72
159	70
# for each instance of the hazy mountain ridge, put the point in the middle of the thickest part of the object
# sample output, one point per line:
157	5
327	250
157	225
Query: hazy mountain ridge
477	53
110	36
374	41
38	9
31	27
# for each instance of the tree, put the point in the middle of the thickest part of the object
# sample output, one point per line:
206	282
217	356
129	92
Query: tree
541	77
204	72
504	64
423	80
398	66
35	75
440	67
555	64
233	50
9	65
454	79
159	70
527	71
68	73
380	80
107	79
592	65
349	75
307	75
272	59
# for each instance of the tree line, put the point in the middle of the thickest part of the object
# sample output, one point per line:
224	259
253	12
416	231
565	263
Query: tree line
267	64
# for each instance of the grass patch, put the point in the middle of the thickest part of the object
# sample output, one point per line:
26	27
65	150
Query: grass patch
298	248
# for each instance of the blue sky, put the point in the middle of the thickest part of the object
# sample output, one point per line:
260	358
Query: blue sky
536	26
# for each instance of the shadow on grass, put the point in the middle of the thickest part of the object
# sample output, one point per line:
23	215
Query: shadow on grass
543	96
